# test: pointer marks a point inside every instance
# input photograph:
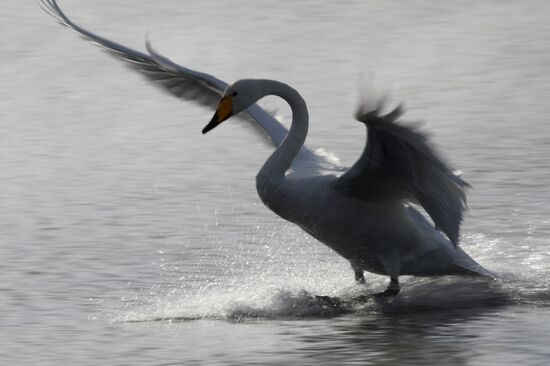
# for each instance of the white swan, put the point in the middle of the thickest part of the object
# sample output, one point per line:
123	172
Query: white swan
361	214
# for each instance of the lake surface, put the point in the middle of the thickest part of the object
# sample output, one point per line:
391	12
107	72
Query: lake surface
128	238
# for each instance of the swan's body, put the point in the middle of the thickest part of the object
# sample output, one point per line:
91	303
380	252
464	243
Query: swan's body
378	233
361	214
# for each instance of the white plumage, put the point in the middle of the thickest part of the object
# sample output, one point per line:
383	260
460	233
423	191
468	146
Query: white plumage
362	213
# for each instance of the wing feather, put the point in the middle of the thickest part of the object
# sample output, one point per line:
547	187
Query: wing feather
188	84
207	89
399	164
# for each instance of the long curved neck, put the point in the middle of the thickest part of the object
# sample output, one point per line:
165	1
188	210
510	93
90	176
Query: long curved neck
279	162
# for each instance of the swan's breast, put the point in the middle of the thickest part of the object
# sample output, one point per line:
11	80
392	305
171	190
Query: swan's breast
362	232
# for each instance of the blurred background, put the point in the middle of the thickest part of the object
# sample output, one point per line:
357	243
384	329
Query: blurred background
127	237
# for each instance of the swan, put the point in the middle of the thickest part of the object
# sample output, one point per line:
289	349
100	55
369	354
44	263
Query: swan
363	213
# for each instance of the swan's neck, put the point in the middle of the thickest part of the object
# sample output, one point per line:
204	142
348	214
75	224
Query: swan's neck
279	162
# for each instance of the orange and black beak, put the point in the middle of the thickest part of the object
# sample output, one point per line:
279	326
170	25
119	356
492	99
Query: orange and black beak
223	112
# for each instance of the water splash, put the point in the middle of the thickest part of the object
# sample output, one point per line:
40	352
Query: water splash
283	288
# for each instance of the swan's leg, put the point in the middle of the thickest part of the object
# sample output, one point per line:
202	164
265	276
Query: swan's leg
359	277
393	288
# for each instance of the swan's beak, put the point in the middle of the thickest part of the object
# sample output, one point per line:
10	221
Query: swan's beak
223	112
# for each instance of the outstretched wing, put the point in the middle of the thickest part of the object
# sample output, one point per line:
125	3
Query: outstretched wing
186	83
178	80
398	164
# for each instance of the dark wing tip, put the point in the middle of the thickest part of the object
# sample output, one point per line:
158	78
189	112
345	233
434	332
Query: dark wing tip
404	153
370	116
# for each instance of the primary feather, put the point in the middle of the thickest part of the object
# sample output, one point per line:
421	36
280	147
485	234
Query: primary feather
398	163
188	84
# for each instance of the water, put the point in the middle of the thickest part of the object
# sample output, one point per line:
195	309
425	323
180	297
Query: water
129	238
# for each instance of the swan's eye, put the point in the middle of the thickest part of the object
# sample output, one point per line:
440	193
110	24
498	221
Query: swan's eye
235	94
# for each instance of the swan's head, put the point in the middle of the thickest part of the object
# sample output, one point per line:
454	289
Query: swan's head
236	98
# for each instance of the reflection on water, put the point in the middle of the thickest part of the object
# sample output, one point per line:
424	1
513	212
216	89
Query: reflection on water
116	212
419	338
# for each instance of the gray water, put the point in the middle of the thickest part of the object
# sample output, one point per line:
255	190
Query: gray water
128	238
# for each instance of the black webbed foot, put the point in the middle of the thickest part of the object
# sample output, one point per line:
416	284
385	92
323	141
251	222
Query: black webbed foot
390	292
393	288
359	277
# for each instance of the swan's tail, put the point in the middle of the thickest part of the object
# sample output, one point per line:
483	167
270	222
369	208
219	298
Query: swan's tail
468	266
